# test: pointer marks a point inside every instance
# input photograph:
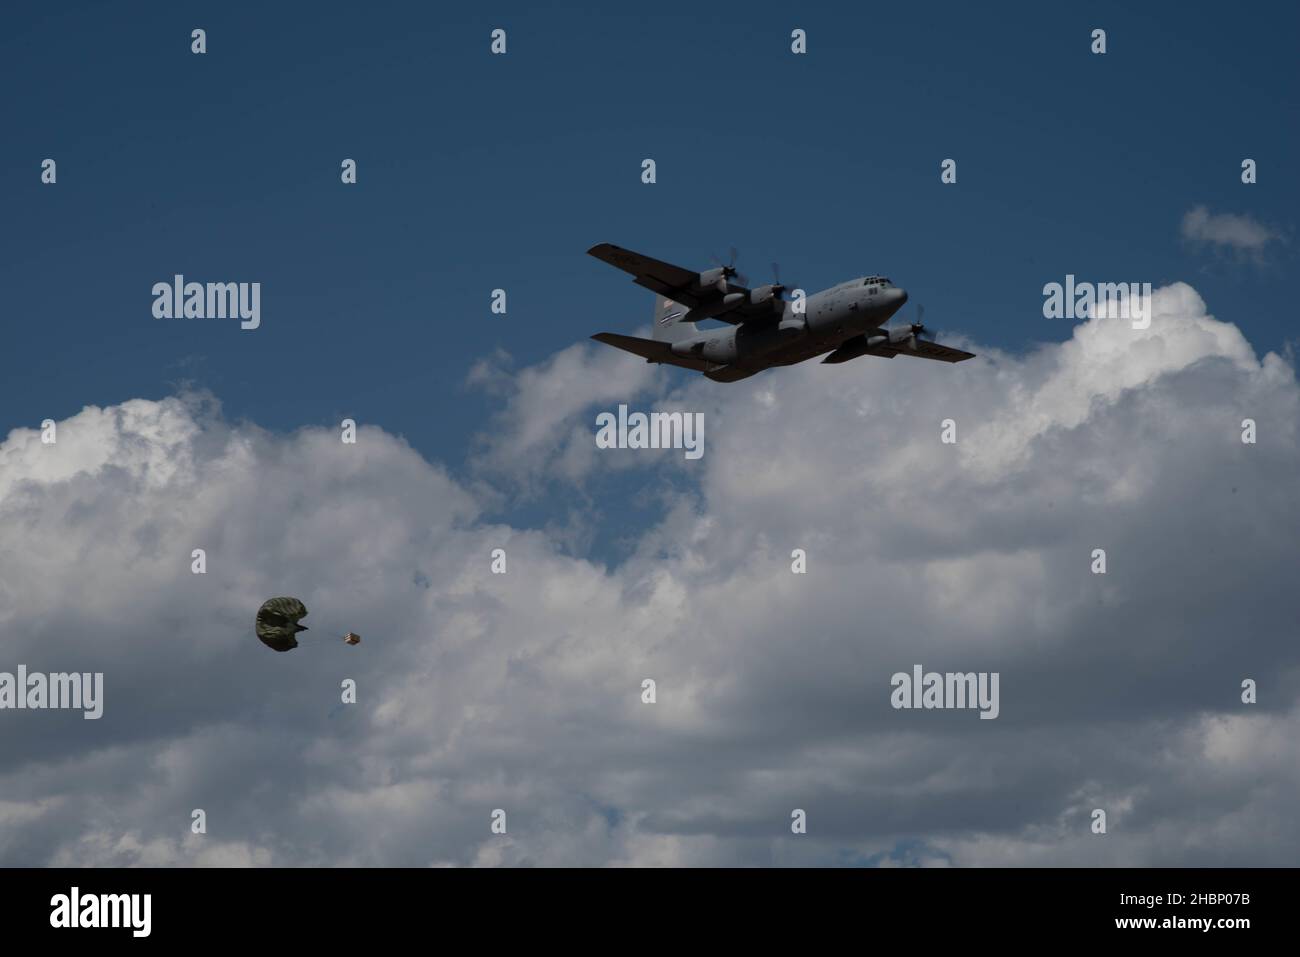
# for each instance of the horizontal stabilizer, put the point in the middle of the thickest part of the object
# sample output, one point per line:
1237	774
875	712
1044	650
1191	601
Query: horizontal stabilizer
652	351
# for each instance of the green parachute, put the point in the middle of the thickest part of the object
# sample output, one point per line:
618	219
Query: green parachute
277	624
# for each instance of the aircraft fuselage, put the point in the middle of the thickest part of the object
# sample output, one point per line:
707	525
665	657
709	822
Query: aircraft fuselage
829	318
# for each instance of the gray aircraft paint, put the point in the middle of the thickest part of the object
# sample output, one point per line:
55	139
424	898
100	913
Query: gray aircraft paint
843	322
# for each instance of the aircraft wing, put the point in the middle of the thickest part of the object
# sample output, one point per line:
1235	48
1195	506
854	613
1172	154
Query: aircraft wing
652	350
924	350
928	350
678	284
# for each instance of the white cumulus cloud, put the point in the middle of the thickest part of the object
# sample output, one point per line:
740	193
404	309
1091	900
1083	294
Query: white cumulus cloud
522	691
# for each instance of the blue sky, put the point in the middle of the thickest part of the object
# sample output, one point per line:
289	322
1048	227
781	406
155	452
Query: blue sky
479	172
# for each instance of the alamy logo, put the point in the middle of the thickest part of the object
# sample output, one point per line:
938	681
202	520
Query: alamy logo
83	691
1103	300
949	690
179	299
657	430
103	910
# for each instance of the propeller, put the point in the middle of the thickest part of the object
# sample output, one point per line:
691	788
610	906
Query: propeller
918	328
729	268
908	336
778	287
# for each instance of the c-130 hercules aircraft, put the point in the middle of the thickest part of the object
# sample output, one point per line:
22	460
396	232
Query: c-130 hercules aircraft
766	329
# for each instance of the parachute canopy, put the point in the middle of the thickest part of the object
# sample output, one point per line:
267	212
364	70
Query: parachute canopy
277	623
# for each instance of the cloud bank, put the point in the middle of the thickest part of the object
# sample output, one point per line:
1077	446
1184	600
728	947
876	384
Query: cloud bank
523	691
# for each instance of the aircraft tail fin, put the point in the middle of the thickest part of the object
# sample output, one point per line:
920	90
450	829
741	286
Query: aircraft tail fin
668	324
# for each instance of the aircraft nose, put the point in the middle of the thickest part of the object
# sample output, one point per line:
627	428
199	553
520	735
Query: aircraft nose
902	296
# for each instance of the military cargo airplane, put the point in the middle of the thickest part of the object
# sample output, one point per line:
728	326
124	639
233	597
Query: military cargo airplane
764	328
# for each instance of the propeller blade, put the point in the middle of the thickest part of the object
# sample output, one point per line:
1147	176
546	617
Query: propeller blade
918	328
780	288
729	268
